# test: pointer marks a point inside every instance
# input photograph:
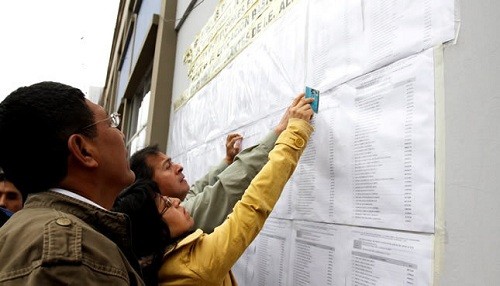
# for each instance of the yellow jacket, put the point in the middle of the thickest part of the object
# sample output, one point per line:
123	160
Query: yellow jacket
206	259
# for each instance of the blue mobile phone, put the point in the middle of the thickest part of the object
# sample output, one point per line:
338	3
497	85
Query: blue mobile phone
314	93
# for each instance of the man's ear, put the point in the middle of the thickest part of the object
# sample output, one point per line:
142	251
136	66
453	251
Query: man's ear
82	150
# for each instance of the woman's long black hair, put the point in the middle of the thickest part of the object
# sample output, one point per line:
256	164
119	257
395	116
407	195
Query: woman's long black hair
150	234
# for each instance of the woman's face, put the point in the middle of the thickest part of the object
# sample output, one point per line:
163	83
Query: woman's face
177	217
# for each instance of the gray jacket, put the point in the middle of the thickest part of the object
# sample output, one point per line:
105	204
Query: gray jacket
212	198
59	240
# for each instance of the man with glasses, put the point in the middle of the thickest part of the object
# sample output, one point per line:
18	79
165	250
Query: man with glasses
66	154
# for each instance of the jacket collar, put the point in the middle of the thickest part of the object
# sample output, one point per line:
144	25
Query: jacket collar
109	223
185	241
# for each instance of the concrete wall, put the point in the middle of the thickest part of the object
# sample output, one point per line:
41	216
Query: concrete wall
472	149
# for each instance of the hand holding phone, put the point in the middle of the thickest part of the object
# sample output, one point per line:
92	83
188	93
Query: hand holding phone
313	93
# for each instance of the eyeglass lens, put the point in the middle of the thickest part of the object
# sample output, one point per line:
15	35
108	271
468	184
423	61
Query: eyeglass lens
167	203
115	120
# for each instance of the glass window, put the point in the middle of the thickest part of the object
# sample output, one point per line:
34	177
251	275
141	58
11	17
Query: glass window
137	140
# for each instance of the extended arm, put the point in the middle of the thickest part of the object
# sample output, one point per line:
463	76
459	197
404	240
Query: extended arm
211	207
226	244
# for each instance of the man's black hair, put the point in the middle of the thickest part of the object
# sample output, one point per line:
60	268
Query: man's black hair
37	121
139	165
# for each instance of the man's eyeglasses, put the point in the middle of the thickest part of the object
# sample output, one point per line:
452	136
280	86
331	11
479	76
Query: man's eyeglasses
114	119
167	203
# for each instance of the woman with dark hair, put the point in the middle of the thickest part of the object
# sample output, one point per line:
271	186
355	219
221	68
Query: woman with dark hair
182	257
150	234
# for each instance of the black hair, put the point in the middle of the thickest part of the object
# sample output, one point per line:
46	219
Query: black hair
38	121
150	233
139	165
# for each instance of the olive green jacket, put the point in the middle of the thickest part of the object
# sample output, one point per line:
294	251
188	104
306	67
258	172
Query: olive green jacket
212	198
206	259
59	240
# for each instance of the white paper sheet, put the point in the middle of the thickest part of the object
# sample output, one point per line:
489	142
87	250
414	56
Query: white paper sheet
371	158
314	251
348	38
378	257
326	254
329	254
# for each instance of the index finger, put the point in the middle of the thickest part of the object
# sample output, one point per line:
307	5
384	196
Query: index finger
297	99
